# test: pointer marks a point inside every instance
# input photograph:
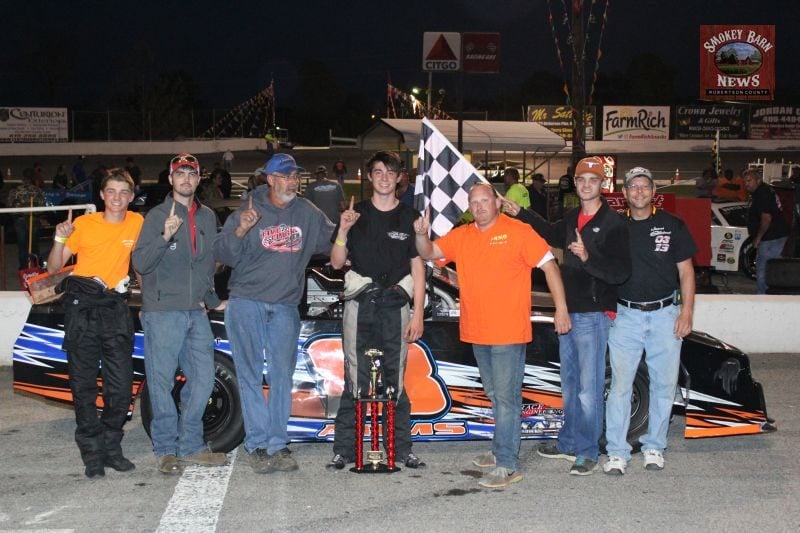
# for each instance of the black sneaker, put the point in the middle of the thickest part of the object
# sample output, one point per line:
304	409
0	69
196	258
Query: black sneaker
338	462
260	461
118	463
583	467
551	451
412	461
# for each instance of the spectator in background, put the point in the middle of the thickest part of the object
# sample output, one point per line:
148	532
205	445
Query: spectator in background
730	188
38	177
327	195
704	185
163	176
765	224
226	185
405	189
78	172
537	195
340	170
515	191
61	180
134	171
227	160
212	191
26	225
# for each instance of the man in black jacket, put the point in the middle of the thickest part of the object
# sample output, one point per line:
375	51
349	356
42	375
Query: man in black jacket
596	260
175	257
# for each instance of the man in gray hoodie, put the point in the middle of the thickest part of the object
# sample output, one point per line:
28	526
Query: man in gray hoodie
268	242
175	258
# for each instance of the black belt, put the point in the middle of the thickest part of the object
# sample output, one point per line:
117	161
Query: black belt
647	306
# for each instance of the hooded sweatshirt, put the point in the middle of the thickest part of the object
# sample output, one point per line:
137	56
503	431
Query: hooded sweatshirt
269	261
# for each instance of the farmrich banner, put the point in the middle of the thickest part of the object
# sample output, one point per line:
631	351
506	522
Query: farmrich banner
635	123
737	62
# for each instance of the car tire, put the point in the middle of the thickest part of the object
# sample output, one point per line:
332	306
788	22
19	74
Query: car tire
747	259
223	425
640	407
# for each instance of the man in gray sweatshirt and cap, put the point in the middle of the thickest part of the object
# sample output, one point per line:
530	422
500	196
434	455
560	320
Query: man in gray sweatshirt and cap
268	241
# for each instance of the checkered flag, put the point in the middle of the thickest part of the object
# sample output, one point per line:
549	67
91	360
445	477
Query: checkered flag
444	181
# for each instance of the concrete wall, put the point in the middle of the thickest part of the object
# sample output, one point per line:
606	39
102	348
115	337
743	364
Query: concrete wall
196	147
754	324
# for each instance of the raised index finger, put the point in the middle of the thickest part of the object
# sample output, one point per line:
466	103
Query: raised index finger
250	205
172	209
352	199
69	216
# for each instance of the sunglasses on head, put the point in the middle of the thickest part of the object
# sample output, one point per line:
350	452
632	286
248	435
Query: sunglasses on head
183	158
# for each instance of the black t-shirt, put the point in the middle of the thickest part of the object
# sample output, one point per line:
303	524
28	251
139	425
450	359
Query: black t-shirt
658	244
764	200
381	244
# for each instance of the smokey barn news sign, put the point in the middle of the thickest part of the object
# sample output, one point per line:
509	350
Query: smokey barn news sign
737	62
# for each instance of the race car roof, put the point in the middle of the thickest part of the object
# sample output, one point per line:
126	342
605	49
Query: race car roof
478	135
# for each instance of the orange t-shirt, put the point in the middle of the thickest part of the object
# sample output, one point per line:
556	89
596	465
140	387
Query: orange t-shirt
494	273
104	249
730	189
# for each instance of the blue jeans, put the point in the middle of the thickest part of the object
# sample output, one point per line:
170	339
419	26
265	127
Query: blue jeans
502	369
172	340
583	363
632	332
766	250
261	332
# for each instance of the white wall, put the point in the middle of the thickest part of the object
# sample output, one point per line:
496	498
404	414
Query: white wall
752	323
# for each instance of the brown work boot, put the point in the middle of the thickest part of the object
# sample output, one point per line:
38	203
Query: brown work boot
168	464
205	458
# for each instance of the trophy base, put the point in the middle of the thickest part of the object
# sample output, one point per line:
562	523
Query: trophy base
380	468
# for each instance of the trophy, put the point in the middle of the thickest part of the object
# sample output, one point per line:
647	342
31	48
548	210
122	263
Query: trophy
378	462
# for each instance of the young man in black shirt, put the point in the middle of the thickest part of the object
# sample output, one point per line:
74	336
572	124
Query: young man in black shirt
378	235
649	318
765	224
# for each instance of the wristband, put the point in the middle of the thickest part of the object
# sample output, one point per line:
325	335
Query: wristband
338	242
62	240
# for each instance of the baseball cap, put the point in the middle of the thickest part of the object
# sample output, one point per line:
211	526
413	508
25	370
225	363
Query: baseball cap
322	169
538	177
184	160
637	172
590	165
281	164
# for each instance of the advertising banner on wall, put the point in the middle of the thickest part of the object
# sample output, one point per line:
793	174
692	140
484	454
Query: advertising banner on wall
33	124
558	119
703	121
441	51
737	62
635	123
775	122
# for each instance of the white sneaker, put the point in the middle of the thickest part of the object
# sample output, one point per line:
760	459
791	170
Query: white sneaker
615	465
653	460
485	460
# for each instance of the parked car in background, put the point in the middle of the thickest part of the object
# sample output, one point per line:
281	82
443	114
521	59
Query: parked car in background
731	246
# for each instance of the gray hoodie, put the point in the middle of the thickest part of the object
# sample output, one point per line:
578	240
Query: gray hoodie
269	262
173	279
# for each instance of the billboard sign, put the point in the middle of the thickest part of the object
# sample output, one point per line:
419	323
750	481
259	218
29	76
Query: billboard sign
33	124
635	123
737	62
558	119
703	121
441	51
775	122
481	52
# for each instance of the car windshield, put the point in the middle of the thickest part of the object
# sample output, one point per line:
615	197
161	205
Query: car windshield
735	215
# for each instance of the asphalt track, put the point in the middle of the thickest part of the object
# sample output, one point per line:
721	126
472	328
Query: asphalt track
726	484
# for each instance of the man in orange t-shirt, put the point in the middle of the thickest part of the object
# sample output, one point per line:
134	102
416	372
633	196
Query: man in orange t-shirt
98	327
729	188
494	257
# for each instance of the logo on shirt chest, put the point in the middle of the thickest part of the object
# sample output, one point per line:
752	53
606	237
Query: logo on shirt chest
661	239
499	239
397	235
282	238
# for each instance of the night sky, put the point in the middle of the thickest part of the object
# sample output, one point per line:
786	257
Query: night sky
232	51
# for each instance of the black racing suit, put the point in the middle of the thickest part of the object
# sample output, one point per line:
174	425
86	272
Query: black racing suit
98	330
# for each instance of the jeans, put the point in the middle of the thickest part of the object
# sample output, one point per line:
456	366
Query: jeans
502	370
631	333
583	363
261	332
172	340
766	250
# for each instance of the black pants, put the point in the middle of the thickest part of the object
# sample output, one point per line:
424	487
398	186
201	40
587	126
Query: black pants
99	331
365	326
